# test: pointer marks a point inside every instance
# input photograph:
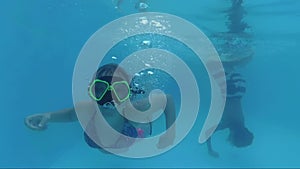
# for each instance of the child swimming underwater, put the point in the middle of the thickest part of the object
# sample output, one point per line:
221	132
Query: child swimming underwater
110	88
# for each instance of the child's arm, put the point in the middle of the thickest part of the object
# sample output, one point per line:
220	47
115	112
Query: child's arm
39	121
65	115
156	101
170	114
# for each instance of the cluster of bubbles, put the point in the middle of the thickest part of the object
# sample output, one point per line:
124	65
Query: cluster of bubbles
142	5
148	79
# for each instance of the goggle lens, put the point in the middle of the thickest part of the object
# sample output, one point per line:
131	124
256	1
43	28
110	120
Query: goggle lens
98	89
121	90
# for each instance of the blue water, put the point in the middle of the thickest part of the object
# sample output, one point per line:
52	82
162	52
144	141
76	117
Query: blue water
40	42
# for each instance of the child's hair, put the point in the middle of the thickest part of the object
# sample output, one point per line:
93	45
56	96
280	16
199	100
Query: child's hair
111	70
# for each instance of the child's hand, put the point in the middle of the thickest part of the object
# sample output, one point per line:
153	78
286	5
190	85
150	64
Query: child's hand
37	121
166	140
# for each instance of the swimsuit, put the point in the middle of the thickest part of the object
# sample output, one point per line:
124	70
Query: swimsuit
122	142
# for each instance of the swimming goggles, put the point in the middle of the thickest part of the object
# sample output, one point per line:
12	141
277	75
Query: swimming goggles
99	88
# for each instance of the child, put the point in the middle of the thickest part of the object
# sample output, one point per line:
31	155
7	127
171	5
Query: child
110	89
